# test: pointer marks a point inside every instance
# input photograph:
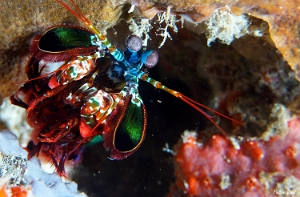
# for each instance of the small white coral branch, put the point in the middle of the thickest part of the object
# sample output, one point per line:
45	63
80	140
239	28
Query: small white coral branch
170	21
143	26
141	29
226	26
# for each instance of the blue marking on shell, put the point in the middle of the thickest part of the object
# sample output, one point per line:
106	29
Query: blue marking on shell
93	37
132	57
118	55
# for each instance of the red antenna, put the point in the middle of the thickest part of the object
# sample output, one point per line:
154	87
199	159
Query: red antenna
189	101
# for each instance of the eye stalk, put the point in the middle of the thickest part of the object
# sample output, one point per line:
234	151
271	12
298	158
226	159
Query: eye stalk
149	58
133	55
133	43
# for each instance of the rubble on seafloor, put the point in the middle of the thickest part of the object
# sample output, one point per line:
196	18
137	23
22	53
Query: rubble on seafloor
253	80
19	175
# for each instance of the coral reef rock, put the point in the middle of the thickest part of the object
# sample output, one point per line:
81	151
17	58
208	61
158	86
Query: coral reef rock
17	174
255	168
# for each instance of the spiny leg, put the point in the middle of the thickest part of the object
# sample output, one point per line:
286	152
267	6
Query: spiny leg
103	117
111	108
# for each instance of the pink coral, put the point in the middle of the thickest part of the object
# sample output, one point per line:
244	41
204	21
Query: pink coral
257	168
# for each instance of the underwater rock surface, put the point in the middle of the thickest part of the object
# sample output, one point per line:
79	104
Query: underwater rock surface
255	168
246	80
26	178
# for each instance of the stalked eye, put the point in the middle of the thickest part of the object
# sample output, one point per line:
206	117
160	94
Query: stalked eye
149	58
133	43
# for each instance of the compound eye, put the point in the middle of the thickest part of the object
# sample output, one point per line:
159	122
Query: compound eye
133	43
150	58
